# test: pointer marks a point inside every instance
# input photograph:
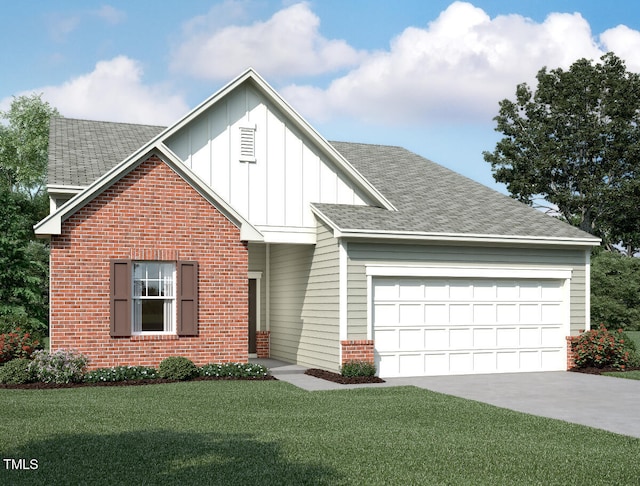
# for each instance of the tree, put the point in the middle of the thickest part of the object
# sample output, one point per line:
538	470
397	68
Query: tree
24	143
573	147
615	291
23	202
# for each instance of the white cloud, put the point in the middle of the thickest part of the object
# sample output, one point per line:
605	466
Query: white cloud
288	44
625	42
455	69
114	91
110	14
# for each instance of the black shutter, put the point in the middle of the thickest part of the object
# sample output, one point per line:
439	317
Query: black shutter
120	308
187	298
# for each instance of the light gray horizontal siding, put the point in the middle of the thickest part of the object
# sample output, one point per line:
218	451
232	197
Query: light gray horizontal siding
304	302
361	254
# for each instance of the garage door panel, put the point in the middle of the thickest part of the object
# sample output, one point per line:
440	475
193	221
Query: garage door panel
435	326
460	290
411	290
436	314
438	364
550	336
529	361
436	339
506	361
507	337
507	313
411	339
484	362
411	314
461	363
551	313
529	313
461	338
410	364
484	338
529	337
460	314
484	291
387	339
484	314
387	314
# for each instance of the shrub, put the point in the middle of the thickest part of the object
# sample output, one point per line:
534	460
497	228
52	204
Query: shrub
177	368
17	344
233	370
601	348
58	367
16	372
358	368
120	373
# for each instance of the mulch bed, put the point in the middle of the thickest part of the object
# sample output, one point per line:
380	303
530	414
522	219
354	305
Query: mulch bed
155	381
343	380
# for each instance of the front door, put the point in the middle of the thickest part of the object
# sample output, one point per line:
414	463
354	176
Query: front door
252	315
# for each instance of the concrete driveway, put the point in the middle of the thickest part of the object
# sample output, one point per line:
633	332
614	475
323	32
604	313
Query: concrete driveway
601	402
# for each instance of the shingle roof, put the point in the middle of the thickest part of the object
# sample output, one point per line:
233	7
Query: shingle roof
80	151
433	199
429	197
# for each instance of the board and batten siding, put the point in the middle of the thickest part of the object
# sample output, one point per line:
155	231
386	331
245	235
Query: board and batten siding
304	302
362	254
288	173
258	263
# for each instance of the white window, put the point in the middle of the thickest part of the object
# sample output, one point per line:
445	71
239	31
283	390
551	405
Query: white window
154	307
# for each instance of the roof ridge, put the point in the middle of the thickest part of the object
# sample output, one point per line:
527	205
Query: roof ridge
106	122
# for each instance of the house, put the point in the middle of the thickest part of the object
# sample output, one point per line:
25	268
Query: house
240	231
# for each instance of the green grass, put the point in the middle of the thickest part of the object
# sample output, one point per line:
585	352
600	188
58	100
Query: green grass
635	337
630	375
273	433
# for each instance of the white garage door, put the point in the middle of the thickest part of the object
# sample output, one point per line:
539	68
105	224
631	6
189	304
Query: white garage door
441	326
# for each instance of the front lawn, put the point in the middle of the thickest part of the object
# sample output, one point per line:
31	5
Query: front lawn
235	432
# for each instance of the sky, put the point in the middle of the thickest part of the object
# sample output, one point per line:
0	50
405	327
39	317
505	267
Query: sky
427	75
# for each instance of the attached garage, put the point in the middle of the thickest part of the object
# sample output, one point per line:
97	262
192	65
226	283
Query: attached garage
445	321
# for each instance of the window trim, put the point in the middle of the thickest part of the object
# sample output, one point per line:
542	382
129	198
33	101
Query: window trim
134	299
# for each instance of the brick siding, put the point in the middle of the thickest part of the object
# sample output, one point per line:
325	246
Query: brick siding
263	344
357	350
151	213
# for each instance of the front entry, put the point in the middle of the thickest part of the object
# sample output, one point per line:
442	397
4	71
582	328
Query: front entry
253	307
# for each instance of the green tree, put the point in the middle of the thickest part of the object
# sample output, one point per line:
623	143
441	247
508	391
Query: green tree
24	142
615	291
573	146
24	278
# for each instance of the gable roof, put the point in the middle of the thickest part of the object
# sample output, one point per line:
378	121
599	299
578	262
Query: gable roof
434	202
418	199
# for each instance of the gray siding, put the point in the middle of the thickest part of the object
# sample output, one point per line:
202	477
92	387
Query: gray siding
361	254
304	302
258	263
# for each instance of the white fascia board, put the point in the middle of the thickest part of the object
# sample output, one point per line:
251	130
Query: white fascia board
288	234
62	189
468	238
463	271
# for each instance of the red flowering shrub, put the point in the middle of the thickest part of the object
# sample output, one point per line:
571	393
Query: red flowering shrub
17	344
600	348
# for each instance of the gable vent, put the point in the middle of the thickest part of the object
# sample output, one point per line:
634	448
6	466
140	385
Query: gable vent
247	143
